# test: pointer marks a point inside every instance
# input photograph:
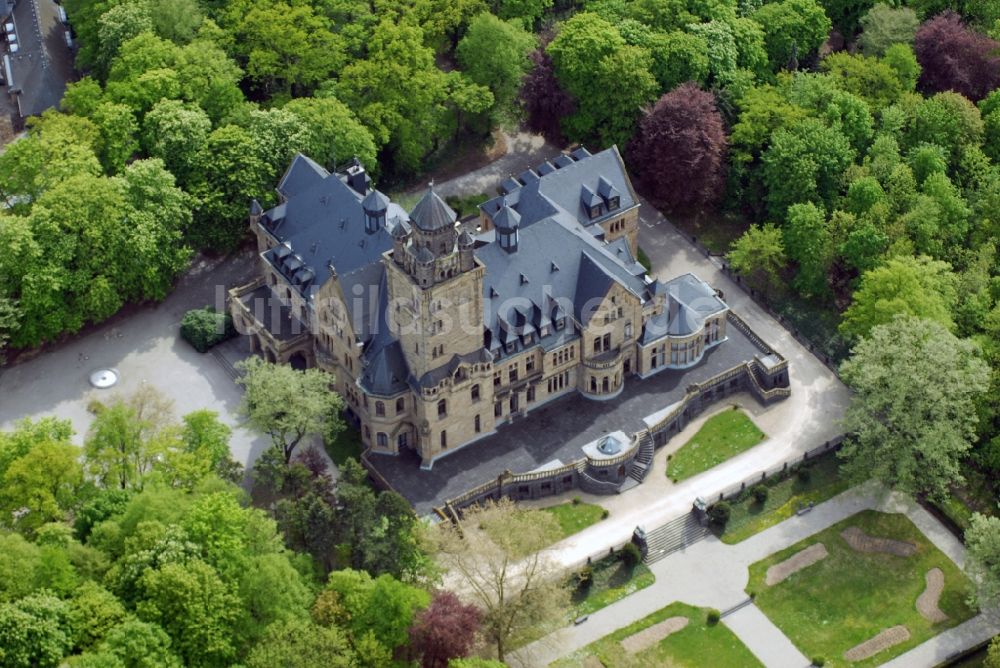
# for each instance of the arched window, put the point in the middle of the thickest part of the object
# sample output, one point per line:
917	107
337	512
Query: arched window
382	439
379	408
593	384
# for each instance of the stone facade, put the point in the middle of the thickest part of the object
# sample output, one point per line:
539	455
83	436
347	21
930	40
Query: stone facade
436	336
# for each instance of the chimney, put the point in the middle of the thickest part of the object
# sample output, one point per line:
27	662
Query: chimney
357	178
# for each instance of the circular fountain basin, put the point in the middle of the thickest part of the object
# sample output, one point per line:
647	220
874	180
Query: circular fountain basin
102	379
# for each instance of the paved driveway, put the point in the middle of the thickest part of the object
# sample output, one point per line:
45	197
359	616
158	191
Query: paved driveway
143	344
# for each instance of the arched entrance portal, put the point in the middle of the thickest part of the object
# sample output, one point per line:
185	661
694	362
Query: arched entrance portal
298	361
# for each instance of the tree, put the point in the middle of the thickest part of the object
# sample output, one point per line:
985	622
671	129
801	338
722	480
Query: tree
42	485
118	129
34	632
126	438
610	80
955	57
801	24
528	11
175	133
286	404
808	242
94	611
298	643
919	287
287	48
335	133
911	421
759	255
138	644
884	25
678	152
804	163
117	25
846	15
871	79
947	120
982	539
444	630
678	57
495	552
383	606
494	54
196	609
543	100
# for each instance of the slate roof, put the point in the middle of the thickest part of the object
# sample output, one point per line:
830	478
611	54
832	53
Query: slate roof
385	371
558	269
40	68
323	226
431	213
563	184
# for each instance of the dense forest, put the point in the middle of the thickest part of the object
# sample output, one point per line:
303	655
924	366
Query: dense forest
856	145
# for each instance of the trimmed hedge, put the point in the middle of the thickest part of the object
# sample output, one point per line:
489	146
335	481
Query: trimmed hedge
205	327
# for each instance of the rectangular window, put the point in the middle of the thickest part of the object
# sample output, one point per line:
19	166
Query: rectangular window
444	440
475	392
496	379
531	394
529	365
476	425
512	372
607	341
497	409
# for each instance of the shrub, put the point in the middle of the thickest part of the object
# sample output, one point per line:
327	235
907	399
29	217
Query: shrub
818	661
630	555
576	500
203	328
713	617
605	514
804	474
719	513
759	494
585	578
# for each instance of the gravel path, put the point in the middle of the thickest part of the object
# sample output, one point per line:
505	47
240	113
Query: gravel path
862	542
795	563
874	645
648	637
927	602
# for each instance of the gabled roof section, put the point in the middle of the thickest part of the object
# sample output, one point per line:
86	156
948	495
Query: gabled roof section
558	185
385	370
592	284
431	213
38	71
301	175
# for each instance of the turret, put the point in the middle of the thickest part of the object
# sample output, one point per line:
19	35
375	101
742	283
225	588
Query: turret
375	206
466	251
507	221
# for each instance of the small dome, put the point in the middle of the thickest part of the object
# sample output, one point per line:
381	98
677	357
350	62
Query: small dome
400	230
424	256
506	220
465	239
432	214
375	202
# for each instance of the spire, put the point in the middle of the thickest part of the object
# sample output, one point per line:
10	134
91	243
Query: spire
431	213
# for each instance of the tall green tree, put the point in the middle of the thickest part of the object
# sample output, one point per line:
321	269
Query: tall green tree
983	561
920	287
335	133
286	404
808	242
494	54
912	416
792	28
759	256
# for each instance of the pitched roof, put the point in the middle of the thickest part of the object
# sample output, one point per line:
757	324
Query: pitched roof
42	65
302	174
431	213
558	185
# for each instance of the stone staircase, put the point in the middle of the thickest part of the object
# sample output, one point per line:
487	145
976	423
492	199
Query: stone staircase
672	536
643	461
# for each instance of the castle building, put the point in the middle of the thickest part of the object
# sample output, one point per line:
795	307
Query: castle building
438	334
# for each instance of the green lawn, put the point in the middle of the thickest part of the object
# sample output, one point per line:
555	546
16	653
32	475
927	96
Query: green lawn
723	435
715	231
848	597
784	498
612	582
694	646
573	517
347	444
466	206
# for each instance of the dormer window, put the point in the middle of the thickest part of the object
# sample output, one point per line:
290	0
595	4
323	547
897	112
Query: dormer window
614	202
595	211
560	323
